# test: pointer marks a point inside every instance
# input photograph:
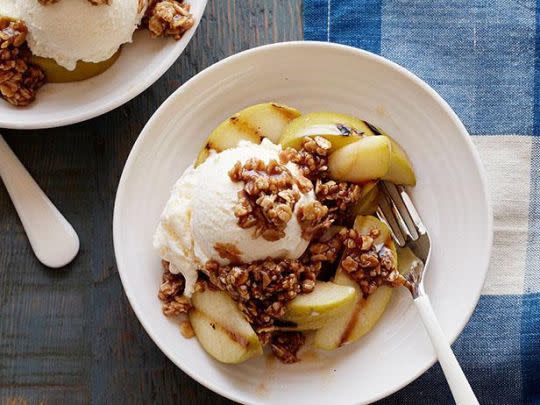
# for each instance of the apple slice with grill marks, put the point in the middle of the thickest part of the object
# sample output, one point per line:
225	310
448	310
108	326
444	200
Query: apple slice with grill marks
221	329
251	124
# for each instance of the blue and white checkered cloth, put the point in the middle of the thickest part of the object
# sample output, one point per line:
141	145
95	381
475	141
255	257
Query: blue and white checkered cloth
483	57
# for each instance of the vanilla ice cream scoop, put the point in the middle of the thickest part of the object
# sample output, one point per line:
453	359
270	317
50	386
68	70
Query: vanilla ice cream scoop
200	215
75	30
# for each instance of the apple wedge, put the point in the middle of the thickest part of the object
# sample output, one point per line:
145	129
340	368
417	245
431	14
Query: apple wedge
327	301
365	312
339	129
358	321
364	160
400	171
221	328
251	124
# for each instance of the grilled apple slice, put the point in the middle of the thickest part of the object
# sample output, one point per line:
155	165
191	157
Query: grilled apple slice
327	301
358	321
339	129
251	124
364	160
365	312
84	70
221	328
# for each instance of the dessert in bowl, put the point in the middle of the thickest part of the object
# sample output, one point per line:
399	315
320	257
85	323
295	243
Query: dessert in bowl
269	237
341	80
63	41
65	61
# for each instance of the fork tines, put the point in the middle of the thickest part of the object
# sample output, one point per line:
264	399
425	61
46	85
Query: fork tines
397	211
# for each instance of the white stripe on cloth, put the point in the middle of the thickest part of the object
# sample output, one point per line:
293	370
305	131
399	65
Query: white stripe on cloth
329	11
507	160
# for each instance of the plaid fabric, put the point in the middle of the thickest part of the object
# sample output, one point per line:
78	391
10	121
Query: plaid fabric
483	58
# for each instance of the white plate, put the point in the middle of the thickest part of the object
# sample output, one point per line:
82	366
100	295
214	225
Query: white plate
140	64
451	196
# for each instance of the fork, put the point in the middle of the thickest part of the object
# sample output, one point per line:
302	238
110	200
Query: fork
398	212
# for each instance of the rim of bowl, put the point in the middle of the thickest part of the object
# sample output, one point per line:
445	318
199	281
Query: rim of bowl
322	46
134	91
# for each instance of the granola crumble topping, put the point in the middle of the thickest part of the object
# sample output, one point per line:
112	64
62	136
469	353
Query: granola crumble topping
268	198
19	80
368	266
338	197
313	219
312	158
171	293
285	345
168	18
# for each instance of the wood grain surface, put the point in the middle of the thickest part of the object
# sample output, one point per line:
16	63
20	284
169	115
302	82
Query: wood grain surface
70	336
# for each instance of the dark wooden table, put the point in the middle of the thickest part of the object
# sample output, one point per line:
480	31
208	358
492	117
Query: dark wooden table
69	335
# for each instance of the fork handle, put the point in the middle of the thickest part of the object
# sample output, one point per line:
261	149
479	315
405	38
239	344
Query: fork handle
460	387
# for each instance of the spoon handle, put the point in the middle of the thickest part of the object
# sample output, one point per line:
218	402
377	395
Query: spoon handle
460	387
52	238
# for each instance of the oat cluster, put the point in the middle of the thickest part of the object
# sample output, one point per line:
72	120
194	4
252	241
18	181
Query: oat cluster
313	219
285	345
312	158
168	18
370	266
339	197
268	197
19	79
171	293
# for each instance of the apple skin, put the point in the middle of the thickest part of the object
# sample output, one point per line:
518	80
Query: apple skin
400	171
221	328
327	301
339	129
365	160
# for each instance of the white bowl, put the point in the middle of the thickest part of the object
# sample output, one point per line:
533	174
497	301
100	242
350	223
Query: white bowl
451	196
141	63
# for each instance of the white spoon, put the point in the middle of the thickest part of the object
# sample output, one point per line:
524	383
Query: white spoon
53	239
